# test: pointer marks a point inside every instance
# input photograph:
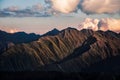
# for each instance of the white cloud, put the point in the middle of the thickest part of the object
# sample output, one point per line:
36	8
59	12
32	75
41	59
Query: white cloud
100	6
103	24
12	8
65	6
13	30
89	23
87	6
109	24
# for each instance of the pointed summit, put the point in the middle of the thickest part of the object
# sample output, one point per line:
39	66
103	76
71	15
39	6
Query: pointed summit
52	32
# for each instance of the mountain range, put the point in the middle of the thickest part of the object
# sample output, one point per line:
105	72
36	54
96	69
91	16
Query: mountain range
68	50
9	39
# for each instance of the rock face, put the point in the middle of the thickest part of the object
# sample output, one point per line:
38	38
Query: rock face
69	51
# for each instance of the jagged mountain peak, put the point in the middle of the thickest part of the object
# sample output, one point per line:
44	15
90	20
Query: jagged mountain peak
55	29
52	32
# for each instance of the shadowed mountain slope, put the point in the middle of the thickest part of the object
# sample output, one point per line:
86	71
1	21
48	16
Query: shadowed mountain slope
7	39
68	51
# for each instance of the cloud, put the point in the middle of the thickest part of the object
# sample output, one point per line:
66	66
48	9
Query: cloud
38	7
87	6
103	24
65	6
109	24
100	6
47	1
54	7
13	30
89	23
9	29
12	8
36	10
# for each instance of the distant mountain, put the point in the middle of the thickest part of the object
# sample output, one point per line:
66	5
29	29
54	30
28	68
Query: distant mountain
8	39
68	51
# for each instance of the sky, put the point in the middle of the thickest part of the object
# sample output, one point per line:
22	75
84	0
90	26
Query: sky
40	16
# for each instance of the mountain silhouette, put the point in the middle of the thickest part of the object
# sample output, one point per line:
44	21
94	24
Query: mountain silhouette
7	39
68	50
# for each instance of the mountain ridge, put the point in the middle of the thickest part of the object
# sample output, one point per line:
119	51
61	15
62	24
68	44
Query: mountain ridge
10	39
87	47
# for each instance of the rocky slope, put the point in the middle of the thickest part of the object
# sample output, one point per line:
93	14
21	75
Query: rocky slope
69	51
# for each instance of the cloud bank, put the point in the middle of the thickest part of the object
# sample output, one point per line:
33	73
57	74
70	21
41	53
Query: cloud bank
103	24
37	10
109	24
100	6
12	8
87	6
53	7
